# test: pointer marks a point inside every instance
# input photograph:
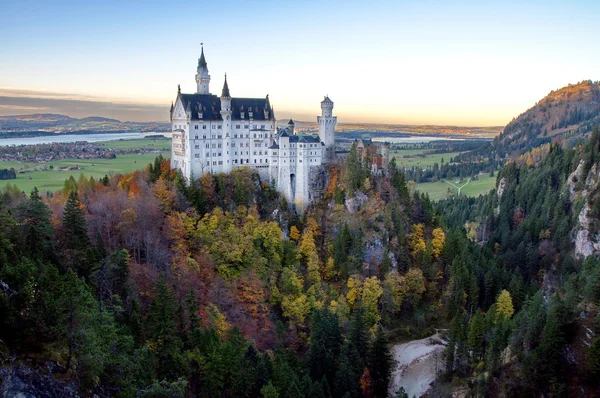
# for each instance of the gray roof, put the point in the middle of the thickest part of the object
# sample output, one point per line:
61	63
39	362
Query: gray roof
327	100
202	61
209	105
291	122
225	93
305	138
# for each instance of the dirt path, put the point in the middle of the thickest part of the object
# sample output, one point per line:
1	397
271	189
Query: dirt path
417	363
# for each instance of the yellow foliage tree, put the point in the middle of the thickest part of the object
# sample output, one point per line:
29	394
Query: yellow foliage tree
217	320
416	240
308	253
371	292
329	272
395	289
354	290
294	233
438	240
504	306
415	283
295	308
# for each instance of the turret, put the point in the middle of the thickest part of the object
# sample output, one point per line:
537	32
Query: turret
226	115
291	126
202	76
327	124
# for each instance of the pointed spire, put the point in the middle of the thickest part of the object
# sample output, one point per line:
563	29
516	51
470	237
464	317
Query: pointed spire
178	89
202	61
225	93
171	106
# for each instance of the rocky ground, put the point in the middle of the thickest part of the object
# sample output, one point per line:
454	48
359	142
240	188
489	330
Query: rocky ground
417	364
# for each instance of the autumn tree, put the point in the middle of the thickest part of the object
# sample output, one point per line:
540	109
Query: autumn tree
504	306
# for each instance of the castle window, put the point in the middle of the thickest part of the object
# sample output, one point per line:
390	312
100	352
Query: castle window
300	160
214	162
233	144
254	160
219	153
196	127
197	146
220	137
220	162
237	126
262	126
261	161
220	127
254	126
197	155
219	146
254	153
207	146
254	135
204	127
246	126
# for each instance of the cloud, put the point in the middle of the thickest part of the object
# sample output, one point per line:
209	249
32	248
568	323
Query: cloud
17	101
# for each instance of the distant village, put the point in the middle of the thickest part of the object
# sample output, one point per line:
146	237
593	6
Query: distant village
44	153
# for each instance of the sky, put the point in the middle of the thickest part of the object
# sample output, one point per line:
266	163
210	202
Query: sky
469	63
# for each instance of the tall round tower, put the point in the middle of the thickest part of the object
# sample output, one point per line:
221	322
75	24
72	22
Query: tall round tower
226	115
327	124
202	76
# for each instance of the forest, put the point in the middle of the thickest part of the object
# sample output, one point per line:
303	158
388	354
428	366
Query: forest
140	285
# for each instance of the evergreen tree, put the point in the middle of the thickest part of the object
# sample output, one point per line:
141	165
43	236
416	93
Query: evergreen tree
380	363
349	372
162	331
325	340
76	246
36	228
359	333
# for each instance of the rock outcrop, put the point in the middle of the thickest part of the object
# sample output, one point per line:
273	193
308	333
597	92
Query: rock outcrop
19	381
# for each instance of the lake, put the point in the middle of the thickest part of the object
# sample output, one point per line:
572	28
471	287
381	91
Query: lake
414	139
47	139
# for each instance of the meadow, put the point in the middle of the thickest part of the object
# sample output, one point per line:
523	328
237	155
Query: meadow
52	180
442	190
418	157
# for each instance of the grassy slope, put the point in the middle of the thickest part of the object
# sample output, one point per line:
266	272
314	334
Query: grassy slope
428	160
52	180
439	190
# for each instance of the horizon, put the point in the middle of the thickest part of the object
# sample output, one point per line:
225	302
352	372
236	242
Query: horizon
464	64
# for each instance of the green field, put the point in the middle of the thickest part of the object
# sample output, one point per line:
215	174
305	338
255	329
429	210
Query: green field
162	143
53	180
417	161
439	190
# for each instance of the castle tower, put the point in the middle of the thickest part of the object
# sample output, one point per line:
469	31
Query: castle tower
290	126
202	76
226	138
327	124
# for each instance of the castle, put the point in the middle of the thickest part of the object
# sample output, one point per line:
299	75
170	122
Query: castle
218	134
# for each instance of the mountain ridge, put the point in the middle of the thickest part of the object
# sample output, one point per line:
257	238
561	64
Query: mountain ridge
564	115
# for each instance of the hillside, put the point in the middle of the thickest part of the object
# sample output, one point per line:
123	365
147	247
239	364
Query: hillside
49	123
567	114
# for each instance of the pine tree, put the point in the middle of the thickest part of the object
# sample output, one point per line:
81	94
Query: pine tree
348	373
76	246
36	228
380	362
162	331
359	333
325	340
